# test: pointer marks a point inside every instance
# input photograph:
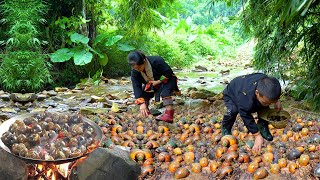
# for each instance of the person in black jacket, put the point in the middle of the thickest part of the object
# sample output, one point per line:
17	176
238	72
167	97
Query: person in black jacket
150	74
248	94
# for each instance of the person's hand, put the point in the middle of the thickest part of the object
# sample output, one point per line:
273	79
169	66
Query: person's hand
278	106
144	110
155	83
257	143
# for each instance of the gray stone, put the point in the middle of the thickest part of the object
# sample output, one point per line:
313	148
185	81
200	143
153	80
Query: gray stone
92	110
41	97
201	68
201	94
52	93
18	97
197	103
5	97
12	167
61	89
106	164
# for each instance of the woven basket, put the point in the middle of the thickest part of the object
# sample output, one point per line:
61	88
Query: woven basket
267	114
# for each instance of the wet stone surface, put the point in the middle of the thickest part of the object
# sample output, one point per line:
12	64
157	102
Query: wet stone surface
111	163
11	168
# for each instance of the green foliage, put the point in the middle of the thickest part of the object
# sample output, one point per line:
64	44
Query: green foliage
139	16
81	52
288	42
23	67
167	48
206	45
118	64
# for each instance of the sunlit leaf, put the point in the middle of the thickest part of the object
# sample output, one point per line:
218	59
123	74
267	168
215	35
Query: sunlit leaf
75	37
111	41
82	57
125	47
61	55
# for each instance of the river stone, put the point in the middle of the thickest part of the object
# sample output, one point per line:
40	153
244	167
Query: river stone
5	97
197	103
52	93
91	110
8	110
18	97
41	97
60	89
12	167
97	99
201	94
106	164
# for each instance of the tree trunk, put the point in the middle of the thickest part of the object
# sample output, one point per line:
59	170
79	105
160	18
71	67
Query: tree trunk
92	24
84	28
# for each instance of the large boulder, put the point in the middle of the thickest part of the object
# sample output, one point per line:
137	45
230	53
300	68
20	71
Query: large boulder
12	167
106	164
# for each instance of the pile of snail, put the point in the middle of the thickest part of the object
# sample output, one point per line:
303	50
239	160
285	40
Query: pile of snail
193	145
49	136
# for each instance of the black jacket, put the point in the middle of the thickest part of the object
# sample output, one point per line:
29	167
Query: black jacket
242	92
159	68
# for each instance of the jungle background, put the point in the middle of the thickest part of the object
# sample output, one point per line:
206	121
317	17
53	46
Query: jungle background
45	44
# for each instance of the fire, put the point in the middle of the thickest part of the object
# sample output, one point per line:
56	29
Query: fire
64	169
52	171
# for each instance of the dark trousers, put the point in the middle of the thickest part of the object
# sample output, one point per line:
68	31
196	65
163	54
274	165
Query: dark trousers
231	113
164	90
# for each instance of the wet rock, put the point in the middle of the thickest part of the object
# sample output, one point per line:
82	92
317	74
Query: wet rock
201	68
11	167
41	97
97	99
52	93
8	110
216	97
91	110
197	103
120	95
112	81
201	94
18	97
225	81
5	97
50	102
37	110
76	91
6	116
60	89
57	98
225	72
107	164
179	101
62	108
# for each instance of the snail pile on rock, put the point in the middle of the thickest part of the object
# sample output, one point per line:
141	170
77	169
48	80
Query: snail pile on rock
50	136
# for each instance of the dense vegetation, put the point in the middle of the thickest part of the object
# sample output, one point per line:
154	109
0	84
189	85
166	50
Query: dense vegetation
89	38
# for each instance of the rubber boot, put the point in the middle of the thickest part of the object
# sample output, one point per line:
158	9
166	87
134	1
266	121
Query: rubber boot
264	129
166	117
225	131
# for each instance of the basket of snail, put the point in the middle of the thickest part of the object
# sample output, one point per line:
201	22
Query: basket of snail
278	119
